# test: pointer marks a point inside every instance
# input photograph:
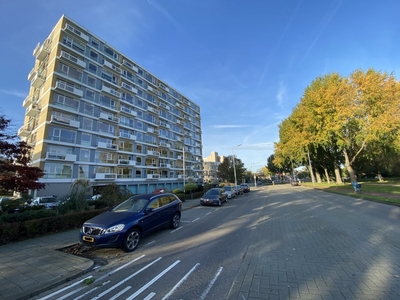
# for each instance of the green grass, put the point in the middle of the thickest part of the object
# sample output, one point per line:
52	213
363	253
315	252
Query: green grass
387	191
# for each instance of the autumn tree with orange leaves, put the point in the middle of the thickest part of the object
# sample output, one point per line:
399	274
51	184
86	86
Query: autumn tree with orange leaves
344	121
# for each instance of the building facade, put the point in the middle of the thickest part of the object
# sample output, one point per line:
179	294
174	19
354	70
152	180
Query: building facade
210	167
93	113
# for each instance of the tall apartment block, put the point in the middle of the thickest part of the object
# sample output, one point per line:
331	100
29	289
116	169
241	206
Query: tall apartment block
210	167
94	113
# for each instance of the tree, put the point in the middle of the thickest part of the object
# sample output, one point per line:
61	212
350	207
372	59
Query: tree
191	187
16	174
226	171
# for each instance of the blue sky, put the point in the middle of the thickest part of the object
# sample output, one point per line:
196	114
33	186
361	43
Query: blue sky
246	63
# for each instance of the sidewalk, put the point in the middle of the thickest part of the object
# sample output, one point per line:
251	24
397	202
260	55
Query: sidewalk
30	267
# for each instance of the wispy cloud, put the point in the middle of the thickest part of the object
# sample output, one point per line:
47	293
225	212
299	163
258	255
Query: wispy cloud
281	94
13	93
322	28
228	126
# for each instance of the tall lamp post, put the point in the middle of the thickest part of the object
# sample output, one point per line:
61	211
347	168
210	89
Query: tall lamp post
184	168
234	163
251	169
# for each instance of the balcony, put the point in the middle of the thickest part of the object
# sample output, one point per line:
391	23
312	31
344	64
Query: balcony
128	64
61	156
24	131
68	88
153	176
72	58
109	117
127	136
37	80
77	32
65	121
111	91
162	165
153	153
129	111
129	88
41	51
28	101
126	162
163	144
106	176
107	146
152	109
32	111
111	66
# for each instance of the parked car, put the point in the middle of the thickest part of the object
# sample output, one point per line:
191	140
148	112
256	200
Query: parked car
214	196
96	197
3	201
245	187
239	190
230	191
49	202
126	224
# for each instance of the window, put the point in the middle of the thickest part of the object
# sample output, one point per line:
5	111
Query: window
64	101
93	55
89	94
106	128
138	148
88	109
84	155
57	170
86	139
70	71
92	68
95	43
62	135
110	52
87	124
58	150
83	171
91	81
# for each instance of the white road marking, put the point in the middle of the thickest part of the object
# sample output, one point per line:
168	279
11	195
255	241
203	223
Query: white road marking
66	288
176	229
152	242
121	292
151	295
180	282
195	220
126	279
153	280
204	295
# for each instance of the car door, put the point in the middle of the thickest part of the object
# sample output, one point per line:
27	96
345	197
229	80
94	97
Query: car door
152	219
167	209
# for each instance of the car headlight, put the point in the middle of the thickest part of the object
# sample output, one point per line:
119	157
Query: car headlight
115	228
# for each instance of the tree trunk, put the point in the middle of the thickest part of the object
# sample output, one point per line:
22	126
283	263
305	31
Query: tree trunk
338	175
326	174
349	167
318	177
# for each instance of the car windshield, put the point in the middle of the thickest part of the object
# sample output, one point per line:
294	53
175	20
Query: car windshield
227	188
212	192
131	205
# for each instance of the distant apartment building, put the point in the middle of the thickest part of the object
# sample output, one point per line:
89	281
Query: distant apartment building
210	167
94	113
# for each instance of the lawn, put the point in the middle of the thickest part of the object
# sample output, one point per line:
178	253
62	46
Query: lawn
387	191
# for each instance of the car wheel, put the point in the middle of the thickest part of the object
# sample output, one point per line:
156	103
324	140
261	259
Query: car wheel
176	219
131	240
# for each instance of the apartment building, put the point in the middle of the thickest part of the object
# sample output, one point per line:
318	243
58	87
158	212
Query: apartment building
210	167
94	113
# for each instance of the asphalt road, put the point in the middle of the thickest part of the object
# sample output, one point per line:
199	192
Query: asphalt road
277	242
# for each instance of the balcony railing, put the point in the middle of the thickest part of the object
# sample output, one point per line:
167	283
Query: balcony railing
73	58
28	101
107	146
126	162
65	121
108	117
63	86
41	51
77	32
106	176
32	111
153	153
37	80
153	176
24	131
60	156
111	91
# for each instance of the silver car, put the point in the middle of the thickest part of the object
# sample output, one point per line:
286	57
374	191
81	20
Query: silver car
49	202
230	191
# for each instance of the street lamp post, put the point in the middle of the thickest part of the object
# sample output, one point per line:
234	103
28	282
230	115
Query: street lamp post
234	163
251	169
